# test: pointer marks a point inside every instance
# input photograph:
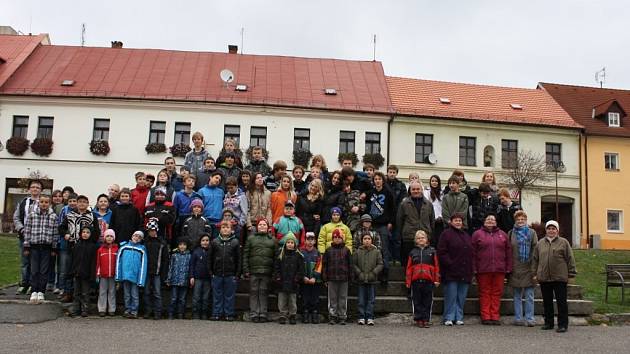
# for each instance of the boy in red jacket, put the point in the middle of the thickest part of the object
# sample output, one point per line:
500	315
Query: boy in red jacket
106	274
423	275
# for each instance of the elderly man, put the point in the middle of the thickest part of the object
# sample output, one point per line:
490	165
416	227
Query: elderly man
414	213
114	195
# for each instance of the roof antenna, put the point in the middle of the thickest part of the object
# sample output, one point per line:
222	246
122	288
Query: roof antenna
242	36
82	34
374	48
600	76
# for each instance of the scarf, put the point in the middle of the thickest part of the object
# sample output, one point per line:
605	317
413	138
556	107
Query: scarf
524	242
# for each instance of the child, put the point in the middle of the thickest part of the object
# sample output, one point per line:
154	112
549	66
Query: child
299	185
163	181
228	216
212	196
125	217
353	207
368	263
289	223
272	181
150	181
229	148
131	270
139	194
506	210
258	164
281	196
178	275
181	202
236	201
423	275
312	280
204	175
83	270
225	267
366	228
103	214
195	158
258	257
369	170
244	181
157	257
106	274
288	273
163	212
326	232
229	168
455	201
337	272
40	243
195	225
65	253
200	278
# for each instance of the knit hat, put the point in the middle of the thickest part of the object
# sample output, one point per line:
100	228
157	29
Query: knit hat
334	210
290	236
310	234
139	233
366	217
196	202
337	233
110	232
289	203
153	225
552	223
159	190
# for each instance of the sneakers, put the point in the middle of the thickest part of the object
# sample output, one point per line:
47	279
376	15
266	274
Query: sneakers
448	323
518	323
459	323
531	323
40	297
57	291
21	290
292	320
33	297
370	322
361	322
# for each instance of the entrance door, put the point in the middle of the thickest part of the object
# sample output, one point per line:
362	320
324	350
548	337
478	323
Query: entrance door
14	192
565	217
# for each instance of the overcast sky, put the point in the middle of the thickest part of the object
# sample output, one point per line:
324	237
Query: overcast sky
510	43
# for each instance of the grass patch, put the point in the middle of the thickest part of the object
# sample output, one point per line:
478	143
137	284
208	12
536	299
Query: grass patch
9	260
591	266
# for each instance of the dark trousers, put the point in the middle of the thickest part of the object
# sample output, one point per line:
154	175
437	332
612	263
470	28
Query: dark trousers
422	300
310	297
178	300
153	295
405	248
201	297
437	231
81	294
40	266
559	290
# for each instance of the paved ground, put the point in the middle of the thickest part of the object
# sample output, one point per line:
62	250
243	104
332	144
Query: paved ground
121	335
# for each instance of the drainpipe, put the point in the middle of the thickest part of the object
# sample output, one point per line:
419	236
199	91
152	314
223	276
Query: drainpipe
588	225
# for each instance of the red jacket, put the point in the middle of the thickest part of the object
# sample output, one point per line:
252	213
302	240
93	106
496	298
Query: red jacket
492	251
106	261
422	264
139	198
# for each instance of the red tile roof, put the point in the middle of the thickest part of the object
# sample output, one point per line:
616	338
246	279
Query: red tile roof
13	52
476	102
194	76
579	102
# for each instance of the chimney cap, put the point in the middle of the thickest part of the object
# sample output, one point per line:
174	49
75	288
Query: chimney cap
232	48
117	44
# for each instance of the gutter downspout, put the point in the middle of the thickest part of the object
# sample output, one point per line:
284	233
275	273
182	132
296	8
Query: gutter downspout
588	227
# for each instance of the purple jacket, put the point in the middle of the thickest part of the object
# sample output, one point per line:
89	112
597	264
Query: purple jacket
455	255
492	251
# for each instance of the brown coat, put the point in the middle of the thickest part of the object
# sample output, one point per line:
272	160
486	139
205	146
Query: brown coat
521	276
553	261
259	206
410	221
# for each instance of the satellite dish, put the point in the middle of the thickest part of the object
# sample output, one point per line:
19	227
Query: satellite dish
431	158
227	76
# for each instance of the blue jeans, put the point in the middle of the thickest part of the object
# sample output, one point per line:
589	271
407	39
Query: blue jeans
178	300
132	300
454	298
25	266
40	266
201	296
63	280
528	295
367	295
52	275
223	296
153	295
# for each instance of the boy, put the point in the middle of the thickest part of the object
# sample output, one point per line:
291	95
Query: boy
506	210
140	193
131	270
225	267
125	218
272	182
181	203
288	222
204	176
150	181
455	201
19	217
200	278
288	273
229	168
336	273
368	263
369	170
212	196
366	228
422	276
258	257
195	225
40	243
236	201
195	158
106	274
65	253
258	163
299	185
178	275
381	209
484	203
83	270
163	212
157	270
177	182
312	279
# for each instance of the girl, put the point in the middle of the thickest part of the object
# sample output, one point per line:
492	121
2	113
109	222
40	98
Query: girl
244	180
288	274
334	196
162	181
258	258
259	201
434	194
319	162
309	206
194	158
106	273
281	196
103	214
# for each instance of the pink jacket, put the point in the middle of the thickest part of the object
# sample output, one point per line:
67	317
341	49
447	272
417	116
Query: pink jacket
492	251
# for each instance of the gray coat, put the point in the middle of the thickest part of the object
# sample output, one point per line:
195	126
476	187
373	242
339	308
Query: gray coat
410	221
521	272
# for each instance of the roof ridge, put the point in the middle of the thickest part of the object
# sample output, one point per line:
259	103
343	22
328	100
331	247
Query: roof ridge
627	91
463	83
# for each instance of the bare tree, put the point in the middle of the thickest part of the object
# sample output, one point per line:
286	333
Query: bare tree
529	171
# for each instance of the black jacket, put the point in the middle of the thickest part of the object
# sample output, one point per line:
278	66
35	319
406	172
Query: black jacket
288	270
164	212
125	221
225	257
381	206
193	228
84	260
157	257
200	263
480	208
305	209
334	198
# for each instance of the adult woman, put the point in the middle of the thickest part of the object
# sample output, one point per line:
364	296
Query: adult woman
309	206
553	264
334	196
318	161
281	196
455	256
523	241
492	260
433	194
489	178
259	199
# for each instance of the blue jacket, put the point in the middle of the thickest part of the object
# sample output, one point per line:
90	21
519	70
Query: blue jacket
200	263
181	202
194	160
131	263
212	202
178	272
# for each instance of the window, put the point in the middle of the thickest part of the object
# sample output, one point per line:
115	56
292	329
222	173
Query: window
182	133
45	127
553	152
232	132
372	143
101	129
301	139
613	119
509	153
258	136
614	221
467	147
611	161
20	126
157	131
424	147
346	141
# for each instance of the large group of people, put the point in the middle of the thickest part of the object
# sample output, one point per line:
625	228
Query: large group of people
213	222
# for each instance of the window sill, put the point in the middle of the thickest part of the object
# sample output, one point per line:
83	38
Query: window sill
615	231
612	170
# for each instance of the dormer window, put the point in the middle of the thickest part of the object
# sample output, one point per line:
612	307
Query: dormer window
613	119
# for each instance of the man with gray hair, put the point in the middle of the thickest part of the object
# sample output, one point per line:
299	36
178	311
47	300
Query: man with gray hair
113	191
414	213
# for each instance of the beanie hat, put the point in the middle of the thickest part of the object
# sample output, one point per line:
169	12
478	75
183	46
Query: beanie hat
139	233
159	189
552	223
290	236
110	232
196	202
310	234
153	225
334	210
337	233
366	217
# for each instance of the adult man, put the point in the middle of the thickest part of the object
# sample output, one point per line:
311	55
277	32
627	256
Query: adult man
171	169
113	192
415	213
19	217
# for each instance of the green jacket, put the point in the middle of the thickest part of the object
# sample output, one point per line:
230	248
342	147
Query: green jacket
259	253
455	203
367	264
553	261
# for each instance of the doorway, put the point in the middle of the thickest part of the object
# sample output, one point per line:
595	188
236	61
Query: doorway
565	211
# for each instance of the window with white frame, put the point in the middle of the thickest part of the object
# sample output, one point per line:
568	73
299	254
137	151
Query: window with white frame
614	220
611	161
182	133
613	119
232	132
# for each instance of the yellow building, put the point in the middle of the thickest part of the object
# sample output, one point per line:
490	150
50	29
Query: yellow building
604	155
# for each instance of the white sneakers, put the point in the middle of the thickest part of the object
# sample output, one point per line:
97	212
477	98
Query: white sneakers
448	323
37	297
459	323
370	322
361	322
40	297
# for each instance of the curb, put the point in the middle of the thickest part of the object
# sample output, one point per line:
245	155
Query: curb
23	311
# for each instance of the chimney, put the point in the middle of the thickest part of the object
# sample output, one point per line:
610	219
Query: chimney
232	49
117	44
